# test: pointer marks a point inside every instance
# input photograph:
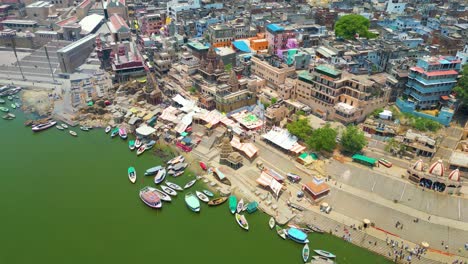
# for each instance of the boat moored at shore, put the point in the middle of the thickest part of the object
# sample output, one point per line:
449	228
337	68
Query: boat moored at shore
150	197
192	202
43	126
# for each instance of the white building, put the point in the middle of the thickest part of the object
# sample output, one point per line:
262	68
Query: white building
395	7
175	6
463	55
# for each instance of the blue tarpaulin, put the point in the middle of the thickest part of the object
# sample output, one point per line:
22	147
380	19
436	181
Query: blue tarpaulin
241	45
274	28
187	140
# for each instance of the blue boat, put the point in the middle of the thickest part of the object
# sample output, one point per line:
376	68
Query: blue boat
252	207
150	144
297	235
152	171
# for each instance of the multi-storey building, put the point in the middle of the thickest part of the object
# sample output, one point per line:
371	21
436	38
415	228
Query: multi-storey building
339	95
151	23
273	75
429	87
278	36
41	10
221	35
118	7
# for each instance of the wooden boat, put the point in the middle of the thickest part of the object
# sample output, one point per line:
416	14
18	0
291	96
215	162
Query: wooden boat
141	149
176	160
190	184
122	133
240	205
132	174
232	204
8	116
153	170
217	201
272	222
316	229
324	253
168	190
4	109
108	129
240	219
280	232
160	176
192	202
322	260
252	207
114	132
178	173
208	193
13	106
305	253
202	196
84	128
59	127
137	143
131	144
10	98
297	235
179	166
43	126
2	101
65	126
73	133
150	197
385	162
203	166
163	195
174	186
150	144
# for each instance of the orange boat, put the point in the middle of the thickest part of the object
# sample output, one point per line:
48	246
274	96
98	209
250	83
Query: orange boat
385	162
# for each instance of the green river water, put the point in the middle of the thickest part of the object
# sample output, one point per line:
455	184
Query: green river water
68	200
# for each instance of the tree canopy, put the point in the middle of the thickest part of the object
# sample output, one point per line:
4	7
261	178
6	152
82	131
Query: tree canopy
323	138
462	86
300	129
349	25
353	140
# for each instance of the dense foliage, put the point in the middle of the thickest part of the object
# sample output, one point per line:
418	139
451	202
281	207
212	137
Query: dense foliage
353	139
349	25
323	139
462	87
421	123
300	129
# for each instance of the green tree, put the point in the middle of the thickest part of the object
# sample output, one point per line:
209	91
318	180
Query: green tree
353	140
349	25
273	100
300	129
323	138
462	86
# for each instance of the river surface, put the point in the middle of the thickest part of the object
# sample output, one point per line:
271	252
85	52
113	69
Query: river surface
68	200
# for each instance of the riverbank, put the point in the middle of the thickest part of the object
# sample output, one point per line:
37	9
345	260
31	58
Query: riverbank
83	200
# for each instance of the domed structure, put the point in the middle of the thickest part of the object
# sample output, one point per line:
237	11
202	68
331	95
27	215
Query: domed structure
437	168
454	175
418	165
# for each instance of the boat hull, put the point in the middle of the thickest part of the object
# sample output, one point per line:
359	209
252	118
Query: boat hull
192	202
232	204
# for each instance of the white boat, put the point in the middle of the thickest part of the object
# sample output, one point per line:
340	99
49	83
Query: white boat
163	195
108	129
305	253
202	196
73	133
190	184
84	128
168	190
59	127
240	219
138	143
271	223
178	173
240	206
160	176
65	126
43	126
176	160
141	149
174	186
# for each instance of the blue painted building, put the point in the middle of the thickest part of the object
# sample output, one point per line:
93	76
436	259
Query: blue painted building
429	86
